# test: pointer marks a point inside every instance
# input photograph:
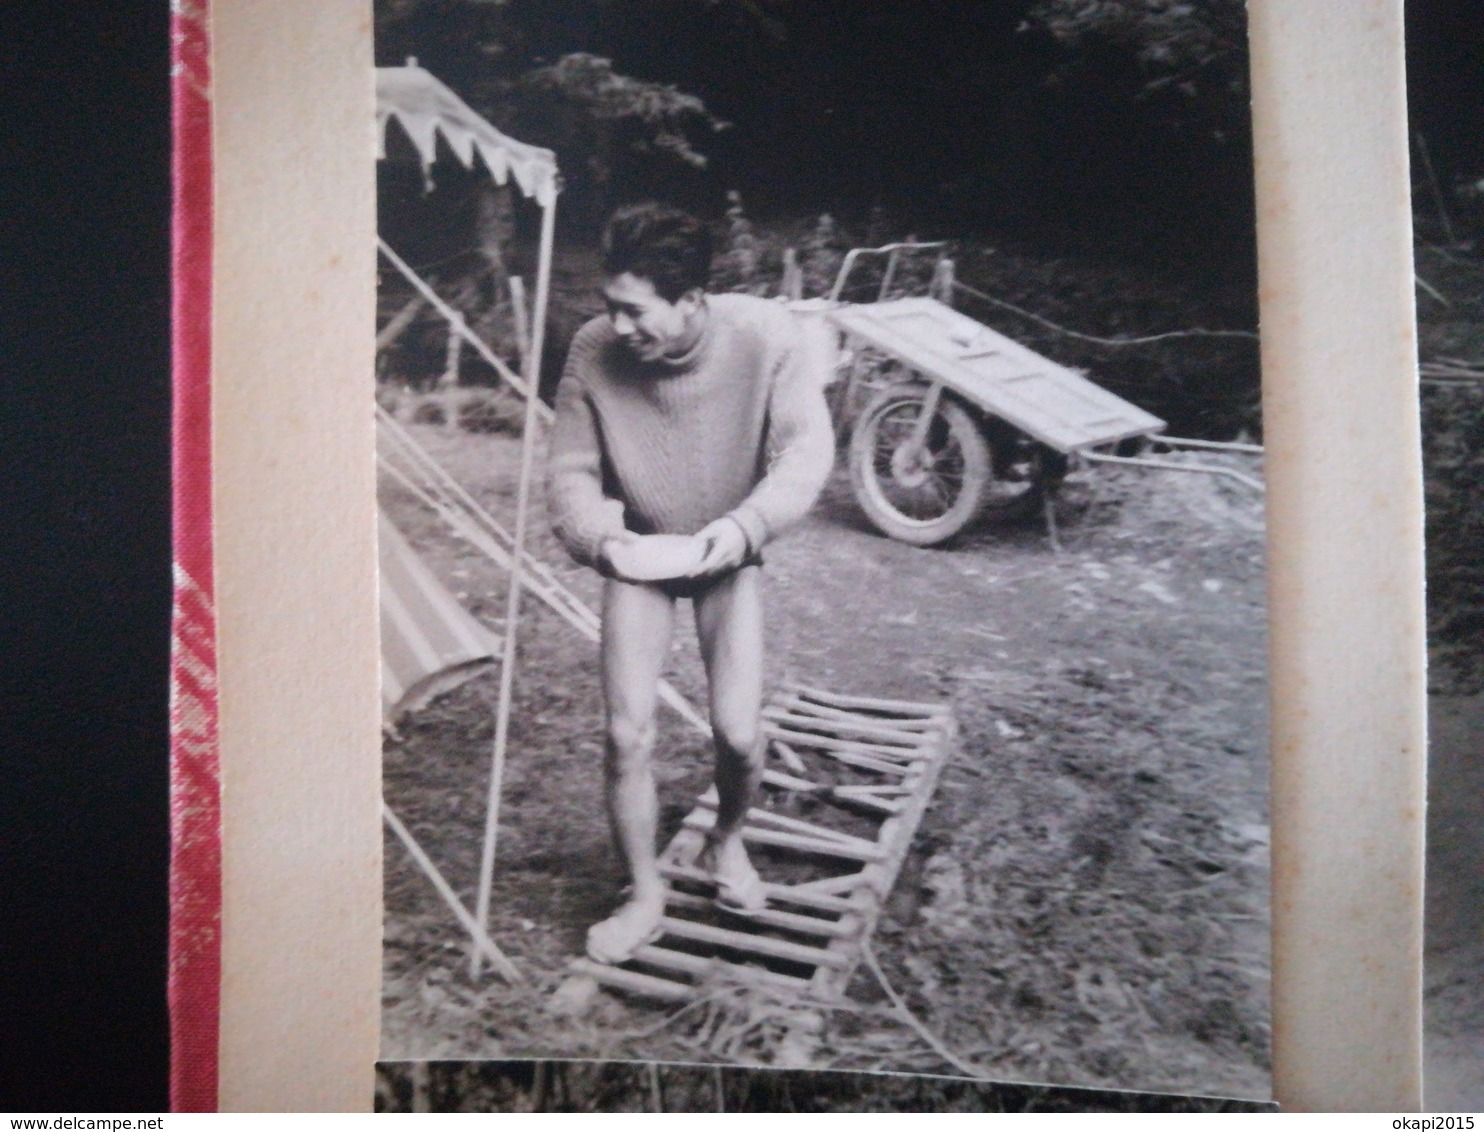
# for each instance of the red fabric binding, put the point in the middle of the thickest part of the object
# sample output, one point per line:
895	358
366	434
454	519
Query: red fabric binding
195	772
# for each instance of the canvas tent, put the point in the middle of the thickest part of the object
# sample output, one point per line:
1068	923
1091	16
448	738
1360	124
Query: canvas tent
426	110
429	643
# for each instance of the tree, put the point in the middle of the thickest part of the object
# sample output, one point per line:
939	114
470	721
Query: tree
1152	98
1190	47
602	123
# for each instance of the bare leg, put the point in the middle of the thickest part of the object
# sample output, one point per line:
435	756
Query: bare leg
729	622
637	623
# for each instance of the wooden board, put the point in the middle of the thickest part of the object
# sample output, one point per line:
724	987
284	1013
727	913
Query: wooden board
826	841
1050	402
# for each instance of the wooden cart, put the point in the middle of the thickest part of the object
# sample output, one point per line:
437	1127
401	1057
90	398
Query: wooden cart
949	420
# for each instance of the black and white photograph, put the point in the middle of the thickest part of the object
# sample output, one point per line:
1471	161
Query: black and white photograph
629	1086
1445	107
822	538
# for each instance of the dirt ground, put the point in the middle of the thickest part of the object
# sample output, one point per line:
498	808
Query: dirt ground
1086	901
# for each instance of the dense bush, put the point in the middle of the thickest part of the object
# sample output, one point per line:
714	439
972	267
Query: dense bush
1204	385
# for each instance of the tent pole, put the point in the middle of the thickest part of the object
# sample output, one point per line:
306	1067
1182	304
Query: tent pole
420	858
456	321
512	607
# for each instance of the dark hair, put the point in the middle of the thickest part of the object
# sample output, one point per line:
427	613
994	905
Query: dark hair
670	248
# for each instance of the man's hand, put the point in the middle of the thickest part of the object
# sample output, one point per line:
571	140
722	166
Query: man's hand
605	563
726	547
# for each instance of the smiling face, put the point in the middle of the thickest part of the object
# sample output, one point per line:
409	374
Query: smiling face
647	323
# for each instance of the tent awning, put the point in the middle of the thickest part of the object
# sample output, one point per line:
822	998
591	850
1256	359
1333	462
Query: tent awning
426	108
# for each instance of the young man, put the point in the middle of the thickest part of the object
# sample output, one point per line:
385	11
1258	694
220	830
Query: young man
681	413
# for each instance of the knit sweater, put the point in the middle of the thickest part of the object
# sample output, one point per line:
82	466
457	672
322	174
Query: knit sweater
736	427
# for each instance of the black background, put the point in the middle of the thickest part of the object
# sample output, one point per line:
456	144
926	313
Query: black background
84	460
84	446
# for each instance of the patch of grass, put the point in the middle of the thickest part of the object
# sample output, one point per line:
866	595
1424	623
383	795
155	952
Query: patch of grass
497	412
494	411
570	1086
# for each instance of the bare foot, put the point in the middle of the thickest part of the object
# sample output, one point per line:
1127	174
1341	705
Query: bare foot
630	928
738	887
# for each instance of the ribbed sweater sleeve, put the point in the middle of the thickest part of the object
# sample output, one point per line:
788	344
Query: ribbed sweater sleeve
737	428
800	447
582	515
